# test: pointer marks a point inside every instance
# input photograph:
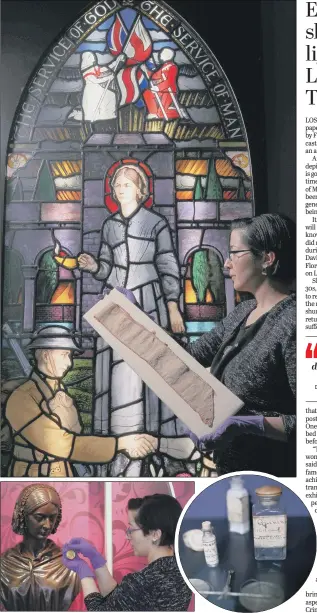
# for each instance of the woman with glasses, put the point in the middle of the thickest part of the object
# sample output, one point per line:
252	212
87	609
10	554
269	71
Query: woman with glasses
252	351
159	586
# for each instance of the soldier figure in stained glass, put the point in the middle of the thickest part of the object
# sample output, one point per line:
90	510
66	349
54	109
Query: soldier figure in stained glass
161	97
46	428
137	253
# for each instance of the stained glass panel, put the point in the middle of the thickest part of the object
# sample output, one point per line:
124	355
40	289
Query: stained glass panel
127	161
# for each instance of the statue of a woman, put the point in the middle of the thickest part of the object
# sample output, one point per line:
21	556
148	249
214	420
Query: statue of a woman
33	577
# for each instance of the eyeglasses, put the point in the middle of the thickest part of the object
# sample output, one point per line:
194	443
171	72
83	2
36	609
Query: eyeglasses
231	253
130	530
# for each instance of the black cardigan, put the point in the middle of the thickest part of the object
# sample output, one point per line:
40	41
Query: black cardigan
158	587
262	373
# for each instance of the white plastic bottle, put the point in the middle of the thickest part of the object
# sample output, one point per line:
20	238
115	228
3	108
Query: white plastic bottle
238	506
209	545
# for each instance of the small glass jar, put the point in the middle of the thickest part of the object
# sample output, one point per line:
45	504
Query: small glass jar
209	545
269	524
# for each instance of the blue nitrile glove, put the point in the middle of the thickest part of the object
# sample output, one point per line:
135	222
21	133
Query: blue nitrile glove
78	565
232	427
80	545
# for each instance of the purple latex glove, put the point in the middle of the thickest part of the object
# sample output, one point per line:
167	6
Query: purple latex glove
80	545
78	565
232	427
126	292
129	295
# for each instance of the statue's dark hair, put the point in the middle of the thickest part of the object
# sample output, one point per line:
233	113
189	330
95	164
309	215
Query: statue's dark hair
18	522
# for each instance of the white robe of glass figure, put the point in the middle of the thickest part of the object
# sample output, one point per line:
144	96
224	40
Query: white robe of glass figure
137	253
99	101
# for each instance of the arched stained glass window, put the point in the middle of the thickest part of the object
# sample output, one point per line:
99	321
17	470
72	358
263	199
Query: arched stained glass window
127	85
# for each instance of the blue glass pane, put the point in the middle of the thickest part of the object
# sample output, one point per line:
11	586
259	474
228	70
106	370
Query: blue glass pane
128	16
106	24
64	324
91	47
199	326
149	24
161	45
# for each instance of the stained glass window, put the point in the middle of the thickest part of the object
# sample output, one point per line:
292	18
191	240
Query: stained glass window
131	93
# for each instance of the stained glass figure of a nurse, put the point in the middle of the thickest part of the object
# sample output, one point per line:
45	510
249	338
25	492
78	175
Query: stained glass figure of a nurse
137	253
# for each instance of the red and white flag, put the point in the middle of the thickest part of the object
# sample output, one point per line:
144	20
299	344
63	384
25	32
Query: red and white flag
116	37
138	47
128	83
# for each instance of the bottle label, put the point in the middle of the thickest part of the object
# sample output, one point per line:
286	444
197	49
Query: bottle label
269	531
238	510
211	554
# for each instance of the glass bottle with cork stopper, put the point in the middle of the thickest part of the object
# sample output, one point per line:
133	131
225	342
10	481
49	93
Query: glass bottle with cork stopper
269	524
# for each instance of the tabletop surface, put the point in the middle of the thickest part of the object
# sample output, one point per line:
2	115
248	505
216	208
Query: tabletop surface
236	552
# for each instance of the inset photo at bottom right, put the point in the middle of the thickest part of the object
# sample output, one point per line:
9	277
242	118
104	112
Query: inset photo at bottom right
246	543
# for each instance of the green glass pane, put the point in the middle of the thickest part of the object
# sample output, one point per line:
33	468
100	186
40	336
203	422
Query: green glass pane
213	185
201	274
46	279
45	187
216	279
199	192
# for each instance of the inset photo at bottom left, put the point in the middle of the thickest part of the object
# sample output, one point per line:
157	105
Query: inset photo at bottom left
92	546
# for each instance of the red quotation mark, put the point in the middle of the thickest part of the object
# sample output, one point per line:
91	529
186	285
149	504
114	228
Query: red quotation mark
310	353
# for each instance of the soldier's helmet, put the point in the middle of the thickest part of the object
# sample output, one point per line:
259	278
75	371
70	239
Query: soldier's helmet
54	337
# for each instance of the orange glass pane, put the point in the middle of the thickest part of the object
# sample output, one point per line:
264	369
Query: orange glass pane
66	195
224	168
64	293
208	297
192	167
190	294
184	195
230	194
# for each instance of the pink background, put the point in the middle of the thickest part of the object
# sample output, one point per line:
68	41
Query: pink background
83	515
